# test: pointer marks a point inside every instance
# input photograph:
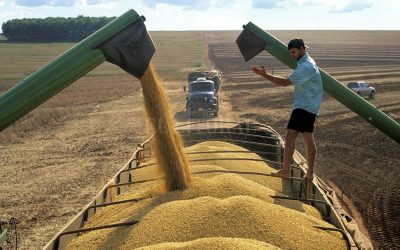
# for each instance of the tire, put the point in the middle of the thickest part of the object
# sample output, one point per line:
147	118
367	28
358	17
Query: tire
206	114
372	95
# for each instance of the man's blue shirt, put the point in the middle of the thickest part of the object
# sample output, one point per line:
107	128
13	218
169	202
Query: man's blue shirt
308	89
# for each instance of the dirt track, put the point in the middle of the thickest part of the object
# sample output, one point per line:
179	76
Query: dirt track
59	170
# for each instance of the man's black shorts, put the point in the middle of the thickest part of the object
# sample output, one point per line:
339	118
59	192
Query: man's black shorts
301	121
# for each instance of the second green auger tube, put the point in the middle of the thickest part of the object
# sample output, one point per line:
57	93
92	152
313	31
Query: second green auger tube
124	41
253	40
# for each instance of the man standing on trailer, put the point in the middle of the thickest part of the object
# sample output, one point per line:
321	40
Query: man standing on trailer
307	97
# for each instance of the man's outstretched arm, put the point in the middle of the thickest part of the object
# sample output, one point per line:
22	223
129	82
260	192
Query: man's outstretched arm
274	79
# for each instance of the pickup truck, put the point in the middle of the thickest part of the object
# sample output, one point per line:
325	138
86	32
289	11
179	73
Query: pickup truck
362	89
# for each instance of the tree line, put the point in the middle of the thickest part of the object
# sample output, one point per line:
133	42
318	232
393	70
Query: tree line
53	29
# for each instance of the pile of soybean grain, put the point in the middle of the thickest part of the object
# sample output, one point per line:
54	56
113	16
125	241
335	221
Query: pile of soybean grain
273	183
214	243
214	205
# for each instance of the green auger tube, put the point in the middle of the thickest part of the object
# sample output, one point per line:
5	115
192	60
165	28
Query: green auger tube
124	41
253	40
3	236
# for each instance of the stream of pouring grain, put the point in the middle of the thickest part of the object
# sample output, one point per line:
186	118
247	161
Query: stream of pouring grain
168	145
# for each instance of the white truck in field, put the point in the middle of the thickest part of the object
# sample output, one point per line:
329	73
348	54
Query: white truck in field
362	89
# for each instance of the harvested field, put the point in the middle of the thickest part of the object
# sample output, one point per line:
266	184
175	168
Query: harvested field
57	158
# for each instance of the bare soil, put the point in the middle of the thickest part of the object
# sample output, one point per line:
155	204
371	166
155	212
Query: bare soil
50	175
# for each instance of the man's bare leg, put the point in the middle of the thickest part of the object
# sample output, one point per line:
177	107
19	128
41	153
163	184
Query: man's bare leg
311	152
288	154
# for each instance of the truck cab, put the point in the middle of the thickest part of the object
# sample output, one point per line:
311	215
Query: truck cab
213	75
202	96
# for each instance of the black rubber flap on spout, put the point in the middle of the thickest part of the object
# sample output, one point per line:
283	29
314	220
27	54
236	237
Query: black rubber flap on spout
250	44
131	48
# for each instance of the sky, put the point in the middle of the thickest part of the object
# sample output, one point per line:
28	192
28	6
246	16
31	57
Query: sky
223	14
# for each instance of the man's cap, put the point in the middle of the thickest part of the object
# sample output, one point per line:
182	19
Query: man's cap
296	43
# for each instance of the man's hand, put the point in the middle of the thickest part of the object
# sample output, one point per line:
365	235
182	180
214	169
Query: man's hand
259	71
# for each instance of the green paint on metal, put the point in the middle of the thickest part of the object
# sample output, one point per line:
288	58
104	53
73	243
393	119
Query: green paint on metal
60	73
333	87
3	237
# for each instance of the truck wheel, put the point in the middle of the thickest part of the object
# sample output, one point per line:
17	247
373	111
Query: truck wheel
206	114
372	95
